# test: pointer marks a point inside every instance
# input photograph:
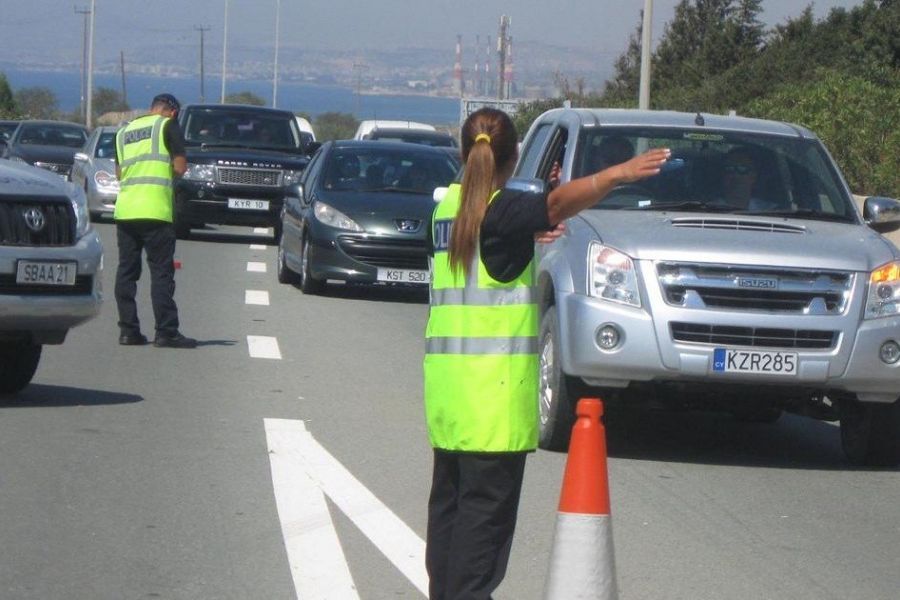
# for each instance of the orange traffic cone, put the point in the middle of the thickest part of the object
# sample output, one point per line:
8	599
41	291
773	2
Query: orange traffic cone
581	563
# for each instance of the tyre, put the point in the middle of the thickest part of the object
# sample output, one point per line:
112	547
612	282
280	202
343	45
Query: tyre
557	391
18	362
282	270
870	433
308	283
277	231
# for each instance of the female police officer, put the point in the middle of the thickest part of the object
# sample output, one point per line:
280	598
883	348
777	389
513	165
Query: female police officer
481	365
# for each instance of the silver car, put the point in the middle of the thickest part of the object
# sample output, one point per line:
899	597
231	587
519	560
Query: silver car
94	171
742	277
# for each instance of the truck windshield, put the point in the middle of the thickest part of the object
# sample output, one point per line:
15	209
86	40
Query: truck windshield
720	171
241	128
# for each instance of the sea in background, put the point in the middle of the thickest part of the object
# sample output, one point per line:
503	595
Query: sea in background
297	97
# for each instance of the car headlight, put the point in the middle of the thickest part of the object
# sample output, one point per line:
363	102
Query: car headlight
884	291
79	205
335	218
611	276
197	172
106	181
291	177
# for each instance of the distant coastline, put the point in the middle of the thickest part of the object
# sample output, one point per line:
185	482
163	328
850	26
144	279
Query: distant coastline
310	98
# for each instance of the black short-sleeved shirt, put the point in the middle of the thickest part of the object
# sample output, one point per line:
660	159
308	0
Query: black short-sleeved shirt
173	137
507	232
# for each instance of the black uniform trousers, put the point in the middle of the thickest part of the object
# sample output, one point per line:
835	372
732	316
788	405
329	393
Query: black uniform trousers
471	520
157	238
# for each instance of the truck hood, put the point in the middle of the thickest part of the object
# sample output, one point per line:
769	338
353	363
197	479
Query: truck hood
739	239
18	179
245	157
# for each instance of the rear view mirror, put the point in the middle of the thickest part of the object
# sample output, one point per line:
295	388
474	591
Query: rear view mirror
439	193
80	156
882	214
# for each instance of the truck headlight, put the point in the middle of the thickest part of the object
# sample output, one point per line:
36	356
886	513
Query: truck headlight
197	172
884	291
611	275
79	205
291	177
335	218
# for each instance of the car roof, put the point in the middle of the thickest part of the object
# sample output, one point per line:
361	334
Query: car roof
391	144
243	107
52	122
612	117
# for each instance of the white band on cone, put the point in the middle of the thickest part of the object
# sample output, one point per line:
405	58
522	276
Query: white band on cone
582	566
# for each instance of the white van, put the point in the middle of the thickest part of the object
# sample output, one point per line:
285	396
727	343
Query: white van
366	127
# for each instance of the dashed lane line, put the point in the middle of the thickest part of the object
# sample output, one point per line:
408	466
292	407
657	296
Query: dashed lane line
258	246
318	566
256	267
260	230
258	297
296	449
263	346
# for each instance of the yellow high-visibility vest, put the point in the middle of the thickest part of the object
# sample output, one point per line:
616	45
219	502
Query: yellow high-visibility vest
481	363
145	186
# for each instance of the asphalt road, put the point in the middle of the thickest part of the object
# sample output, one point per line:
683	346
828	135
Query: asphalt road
147	473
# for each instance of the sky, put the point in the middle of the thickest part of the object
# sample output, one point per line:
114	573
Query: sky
52	28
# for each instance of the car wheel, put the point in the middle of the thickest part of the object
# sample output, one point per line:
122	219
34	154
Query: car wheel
556	389
18	362
870	433
277	231
282	270
308	284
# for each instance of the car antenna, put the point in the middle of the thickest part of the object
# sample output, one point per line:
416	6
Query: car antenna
698	120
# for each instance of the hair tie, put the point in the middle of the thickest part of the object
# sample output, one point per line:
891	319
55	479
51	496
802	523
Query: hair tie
483	136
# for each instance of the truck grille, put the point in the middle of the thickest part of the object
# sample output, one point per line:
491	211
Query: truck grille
728	335
726	287
394	254
58	227
257	177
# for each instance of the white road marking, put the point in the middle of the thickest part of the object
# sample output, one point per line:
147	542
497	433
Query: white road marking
262	346
256	267
260	230
258	246
260	297
391	536
317	561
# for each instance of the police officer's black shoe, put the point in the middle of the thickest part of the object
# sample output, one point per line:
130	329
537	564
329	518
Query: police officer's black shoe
174	341
132	339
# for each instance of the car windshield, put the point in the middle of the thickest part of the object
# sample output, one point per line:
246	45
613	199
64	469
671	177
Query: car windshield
106	145
723	172
241	128
376	168
41	134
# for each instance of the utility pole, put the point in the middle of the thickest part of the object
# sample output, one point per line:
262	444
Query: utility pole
202	30
275	70
89	117
644	94
122	68
85	12
502	48
224	52
357	68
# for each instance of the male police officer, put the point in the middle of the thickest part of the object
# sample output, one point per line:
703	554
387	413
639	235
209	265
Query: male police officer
149	154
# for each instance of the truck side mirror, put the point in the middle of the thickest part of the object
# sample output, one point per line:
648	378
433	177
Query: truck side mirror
882	214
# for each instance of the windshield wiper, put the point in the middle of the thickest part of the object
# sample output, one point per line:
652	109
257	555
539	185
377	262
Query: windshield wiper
684	205
396	188
802	214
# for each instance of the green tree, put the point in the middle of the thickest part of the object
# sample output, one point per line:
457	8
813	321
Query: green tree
8	109
245	97
335	126
856	119
108	100
37	103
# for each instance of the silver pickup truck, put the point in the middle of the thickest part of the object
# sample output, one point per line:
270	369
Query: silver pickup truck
50	266
741	278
